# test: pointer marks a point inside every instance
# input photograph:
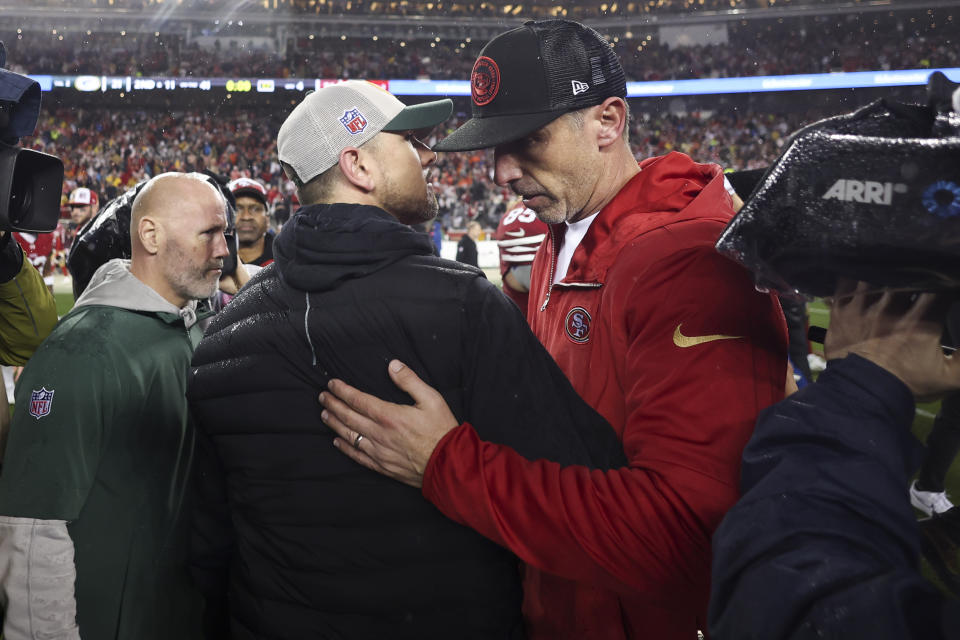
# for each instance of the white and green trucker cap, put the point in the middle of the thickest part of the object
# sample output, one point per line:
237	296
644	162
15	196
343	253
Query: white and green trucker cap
344	115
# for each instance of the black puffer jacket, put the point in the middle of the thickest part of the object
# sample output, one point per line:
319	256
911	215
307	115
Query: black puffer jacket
309	544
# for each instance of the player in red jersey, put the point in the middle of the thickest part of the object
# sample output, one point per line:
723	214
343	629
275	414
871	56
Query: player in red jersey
518	236
40	249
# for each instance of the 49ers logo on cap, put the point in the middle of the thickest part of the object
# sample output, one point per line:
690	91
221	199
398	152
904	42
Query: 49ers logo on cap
577	325
484	81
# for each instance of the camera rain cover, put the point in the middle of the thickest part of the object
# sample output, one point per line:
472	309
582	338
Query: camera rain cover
873	195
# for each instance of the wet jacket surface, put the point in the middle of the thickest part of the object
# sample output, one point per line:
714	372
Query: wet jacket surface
824	542
93	522
295	540
634	325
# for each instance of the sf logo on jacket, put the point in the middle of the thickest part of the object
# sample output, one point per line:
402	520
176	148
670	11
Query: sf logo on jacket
577	325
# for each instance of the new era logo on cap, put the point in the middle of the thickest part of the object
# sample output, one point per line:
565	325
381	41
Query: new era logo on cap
579	87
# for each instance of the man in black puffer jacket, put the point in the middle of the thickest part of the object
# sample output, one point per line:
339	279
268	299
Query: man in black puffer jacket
292	539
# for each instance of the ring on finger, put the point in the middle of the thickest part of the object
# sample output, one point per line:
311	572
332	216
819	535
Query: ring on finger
356	441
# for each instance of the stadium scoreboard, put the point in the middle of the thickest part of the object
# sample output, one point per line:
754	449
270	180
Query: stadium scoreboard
755	84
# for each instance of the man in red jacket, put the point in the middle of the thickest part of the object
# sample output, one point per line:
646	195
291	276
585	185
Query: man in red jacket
667	339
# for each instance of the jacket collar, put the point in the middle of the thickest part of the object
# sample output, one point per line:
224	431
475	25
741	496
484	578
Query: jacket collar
324	245
668	189
112	285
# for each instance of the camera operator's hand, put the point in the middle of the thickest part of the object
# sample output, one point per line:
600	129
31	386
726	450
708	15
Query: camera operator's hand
900	332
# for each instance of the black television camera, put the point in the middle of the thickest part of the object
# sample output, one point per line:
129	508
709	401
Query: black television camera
873	195
30	182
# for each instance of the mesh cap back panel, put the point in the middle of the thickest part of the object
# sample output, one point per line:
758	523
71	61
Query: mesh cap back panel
574	53
330	120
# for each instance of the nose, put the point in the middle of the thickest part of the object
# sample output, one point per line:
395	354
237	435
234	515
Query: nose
427	155
220	248
505	167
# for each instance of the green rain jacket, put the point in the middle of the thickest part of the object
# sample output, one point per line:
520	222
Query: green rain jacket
27	314
93	529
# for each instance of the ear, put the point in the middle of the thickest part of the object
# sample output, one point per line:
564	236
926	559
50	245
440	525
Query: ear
355	165
150	234
612	118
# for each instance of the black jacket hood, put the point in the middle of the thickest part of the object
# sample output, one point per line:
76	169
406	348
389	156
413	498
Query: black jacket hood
326	244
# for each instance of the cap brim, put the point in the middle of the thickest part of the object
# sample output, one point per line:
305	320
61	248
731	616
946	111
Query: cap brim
250	193
483	133
421	116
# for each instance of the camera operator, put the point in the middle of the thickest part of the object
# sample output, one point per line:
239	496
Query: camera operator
823	542
27	315
27	308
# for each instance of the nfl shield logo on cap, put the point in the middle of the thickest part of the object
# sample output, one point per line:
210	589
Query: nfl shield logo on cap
354	121
40	402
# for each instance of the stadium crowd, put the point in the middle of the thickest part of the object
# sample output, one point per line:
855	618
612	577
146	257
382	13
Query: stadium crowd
538	9
109	151
824	45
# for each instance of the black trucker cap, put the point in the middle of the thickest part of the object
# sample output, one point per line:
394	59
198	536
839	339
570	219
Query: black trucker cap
530	76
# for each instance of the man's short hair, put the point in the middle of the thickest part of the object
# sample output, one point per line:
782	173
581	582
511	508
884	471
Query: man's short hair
577	119
319	189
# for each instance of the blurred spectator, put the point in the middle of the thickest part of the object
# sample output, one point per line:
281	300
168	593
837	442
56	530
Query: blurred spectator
83	204
253	224
467	247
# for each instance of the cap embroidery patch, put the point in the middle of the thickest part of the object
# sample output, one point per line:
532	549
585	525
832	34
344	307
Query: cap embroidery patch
579	87
353	121
577	325
40	402
484	81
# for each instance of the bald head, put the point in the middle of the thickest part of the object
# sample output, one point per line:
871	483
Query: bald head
176	236
169	198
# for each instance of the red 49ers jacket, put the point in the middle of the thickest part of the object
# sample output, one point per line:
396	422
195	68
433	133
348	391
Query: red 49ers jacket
674	346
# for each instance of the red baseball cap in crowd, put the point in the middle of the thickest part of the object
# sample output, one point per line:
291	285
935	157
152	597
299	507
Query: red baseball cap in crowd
528	77
82	196
248	187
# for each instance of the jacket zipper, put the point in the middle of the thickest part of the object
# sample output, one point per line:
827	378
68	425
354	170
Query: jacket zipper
553	266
